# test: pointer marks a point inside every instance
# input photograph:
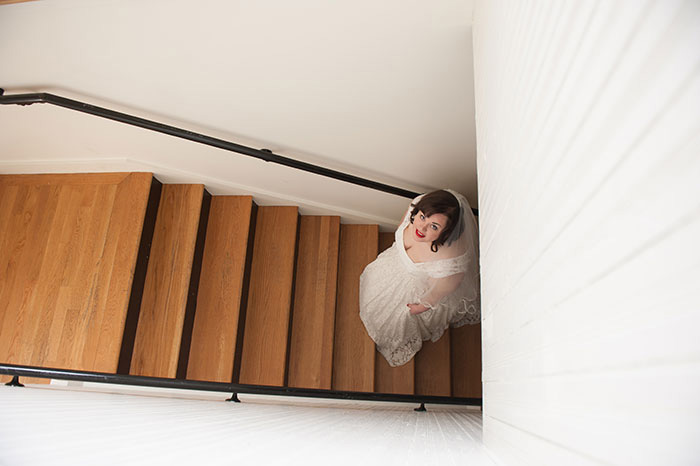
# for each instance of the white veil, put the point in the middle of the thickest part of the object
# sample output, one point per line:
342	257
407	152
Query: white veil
460	275
466	231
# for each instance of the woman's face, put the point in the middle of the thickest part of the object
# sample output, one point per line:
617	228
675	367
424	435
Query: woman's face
427	229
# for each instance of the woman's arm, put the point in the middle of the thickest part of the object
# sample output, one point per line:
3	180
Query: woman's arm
441	288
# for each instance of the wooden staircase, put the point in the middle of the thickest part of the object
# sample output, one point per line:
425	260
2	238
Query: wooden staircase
234	292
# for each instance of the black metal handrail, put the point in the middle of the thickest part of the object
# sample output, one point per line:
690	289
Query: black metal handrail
262	154
234	388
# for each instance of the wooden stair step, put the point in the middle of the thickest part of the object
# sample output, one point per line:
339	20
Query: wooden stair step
169	297
223	288
266	336
465	353
68	246
389	379
313	314
433	367
386	239
353	349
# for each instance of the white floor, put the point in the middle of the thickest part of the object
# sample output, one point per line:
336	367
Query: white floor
81	425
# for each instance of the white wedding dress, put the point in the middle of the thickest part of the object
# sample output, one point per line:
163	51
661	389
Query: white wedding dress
393	280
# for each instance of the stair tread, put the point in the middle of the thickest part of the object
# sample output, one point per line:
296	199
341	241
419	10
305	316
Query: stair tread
265	340
353	350
221	287
313	315
465	344
400	380
433	367
67	246
163	306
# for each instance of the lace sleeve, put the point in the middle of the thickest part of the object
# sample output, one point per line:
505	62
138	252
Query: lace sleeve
440	288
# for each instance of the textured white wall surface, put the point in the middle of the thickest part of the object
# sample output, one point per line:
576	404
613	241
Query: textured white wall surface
588	130
82	426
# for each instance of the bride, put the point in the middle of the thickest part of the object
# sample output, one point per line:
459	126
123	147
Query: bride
426	281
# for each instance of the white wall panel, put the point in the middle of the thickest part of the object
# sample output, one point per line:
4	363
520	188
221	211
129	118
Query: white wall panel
588	129
382	90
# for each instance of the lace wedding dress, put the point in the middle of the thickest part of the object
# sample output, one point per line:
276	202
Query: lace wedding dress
393	280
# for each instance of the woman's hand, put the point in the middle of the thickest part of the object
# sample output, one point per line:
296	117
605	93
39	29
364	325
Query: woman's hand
416	308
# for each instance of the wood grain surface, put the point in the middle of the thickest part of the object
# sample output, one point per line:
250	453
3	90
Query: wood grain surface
313	314
266	336
163	306
353	349
216	324
433	367
68	247
465	353
389	379
386	239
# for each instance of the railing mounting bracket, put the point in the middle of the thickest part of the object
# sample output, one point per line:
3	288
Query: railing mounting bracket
14	382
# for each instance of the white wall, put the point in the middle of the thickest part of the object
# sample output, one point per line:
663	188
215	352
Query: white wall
382	90
588	130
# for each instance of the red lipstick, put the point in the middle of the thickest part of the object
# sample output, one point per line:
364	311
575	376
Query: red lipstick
419	234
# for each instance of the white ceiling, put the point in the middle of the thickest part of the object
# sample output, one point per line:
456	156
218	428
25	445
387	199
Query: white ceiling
382	89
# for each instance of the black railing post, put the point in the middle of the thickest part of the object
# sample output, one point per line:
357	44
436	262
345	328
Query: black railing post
14	382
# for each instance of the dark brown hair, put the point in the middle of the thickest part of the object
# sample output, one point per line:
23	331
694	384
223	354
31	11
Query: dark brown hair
439	202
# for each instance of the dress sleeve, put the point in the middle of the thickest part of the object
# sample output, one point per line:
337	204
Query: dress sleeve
440	287
445	276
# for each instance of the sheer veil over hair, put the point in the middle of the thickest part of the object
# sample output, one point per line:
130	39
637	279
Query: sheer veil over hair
463	243
460	226
448	286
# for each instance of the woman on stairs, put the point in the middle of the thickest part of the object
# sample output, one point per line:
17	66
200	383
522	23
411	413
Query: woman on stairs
426	281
